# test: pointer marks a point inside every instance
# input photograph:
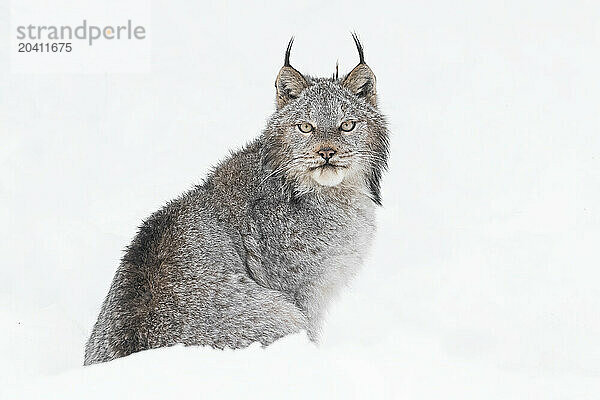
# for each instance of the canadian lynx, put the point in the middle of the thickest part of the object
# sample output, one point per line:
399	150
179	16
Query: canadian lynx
257	251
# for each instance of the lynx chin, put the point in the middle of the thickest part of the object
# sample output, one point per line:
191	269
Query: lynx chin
259	249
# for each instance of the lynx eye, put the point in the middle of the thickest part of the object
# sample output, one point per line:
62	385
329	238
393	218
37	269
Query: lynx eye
305	127
347	126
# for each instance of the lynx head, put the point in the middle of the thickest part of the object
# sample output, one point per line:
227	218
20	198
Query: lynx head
327	132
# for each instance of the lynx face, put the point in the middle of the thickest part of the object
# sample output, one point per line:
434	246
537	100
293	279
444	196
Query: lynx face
327	132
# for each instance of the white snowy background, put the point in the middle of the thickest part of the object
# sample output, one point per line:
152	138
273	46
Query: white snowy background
483	282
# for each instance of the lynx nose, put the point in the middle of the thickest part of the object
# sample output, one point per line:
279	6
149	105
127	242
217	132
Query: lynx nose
326	153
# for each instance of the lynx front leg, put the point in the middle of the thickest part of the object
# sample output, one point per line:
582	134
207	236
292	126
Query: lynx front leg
242	313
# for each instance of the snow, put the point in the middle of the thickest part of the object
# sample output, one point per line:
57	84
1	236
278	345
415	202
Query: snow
483	280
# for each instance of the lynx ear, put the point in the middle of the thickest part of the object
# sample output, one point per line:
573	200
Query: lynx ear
289	83
361	80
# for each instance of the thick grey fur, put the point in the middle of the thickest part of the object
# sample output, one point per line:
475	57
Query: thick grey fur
257	251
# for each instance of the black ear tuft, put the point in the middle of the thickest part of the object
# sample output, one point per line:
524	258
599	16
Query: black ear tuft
286	60
361	53
289	83
361	80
